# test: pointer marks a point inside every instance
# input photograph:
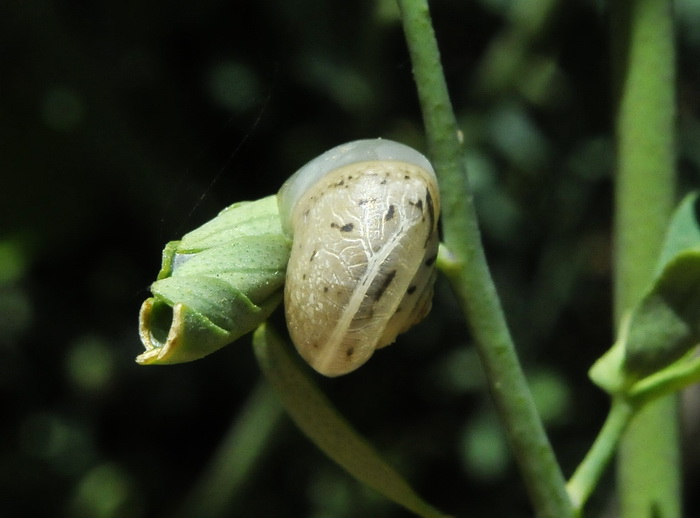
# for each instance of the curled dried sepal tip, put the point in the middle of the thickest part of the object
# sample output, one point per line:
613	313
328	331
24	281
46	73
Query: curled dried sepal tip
175	334
217	284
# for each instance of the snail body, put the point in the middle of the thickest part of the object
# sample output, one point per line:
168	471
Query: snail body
363	219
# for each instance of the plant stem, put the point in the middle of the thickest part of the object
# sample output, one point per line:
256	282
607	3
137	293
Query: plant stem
470	276
238	455
587	475
644	63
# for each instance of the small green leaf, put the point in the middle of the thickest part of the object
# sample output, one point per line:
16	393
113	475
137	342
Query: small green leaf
217	284
666	323
321	422
683	232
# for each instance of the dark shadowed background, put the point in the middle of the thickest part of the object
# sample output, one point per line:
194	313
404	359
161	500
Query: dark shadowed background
125	124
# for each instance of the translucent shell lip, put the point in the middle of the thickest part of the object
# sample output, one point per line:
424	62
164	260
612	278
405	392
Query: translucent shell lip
342	155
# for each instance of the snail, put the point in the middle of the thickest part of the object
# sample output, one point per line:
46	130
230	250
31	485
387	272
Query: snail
363	218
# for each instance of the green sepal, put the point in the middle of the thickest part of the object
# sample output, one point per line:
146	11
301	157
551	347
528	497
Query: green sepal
245	218
217	284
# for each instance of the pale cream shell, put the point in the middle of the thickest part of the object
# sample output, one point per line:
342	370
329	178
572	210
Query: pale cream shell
361	269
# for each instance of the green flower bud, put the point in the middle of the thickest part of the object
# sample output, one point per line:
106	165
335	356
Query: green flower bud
218	283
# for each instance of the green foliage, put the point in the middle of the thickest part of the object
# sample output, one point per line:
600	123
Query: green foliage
665	326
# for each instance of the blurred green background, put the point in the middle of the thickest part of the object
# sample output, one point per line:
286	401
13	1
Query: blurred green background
125	124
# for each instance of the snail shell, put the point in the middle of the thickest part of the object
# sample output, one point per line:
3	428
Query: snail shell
363	218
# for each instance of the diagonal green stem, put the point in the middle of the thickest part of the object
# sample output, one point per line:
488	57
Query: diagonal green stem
644	65
470	276
239	454
587	475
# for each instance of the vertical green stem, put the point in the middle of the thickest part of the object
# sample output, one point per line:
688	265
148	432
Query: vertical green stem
471	279
644	62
